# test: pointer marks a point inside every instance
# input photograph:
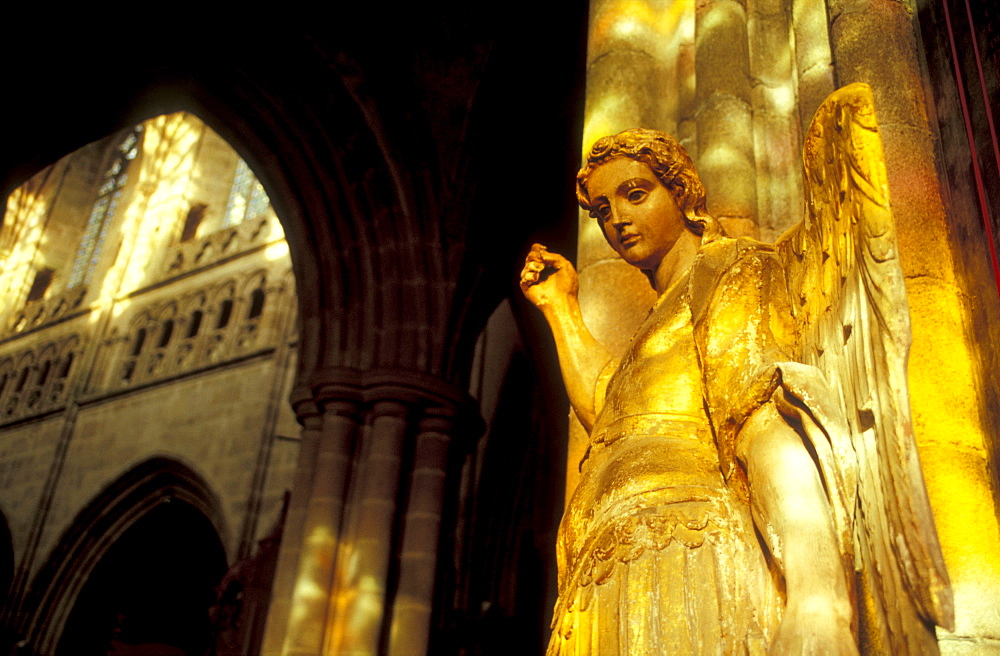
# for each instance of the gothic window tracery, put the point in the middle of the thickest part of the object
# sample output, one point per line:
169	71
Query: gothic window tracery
36	391
216	341
12	403
256	303
225	313
138	343
159	357
6	378
194	324
255	296
247	198
108	196
193	313
56	394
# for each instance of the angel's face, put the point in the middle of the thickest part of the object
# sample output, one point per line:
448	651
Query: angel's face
638	215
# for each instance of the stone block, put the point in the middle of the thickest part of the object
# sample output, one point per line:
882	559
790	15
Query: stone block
914	193
958	485
878	46
722	55
726	157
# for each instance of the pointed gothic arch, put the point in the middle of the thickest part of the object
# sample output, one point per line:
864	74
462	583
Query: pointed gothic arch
59	582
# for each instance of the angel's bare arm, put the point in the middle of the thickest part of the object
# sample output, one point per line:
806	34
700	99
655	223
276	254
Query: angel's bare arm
550	282
792	512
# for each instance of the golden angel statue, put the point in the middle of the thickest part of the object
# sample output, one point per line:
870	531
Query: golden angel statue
751	483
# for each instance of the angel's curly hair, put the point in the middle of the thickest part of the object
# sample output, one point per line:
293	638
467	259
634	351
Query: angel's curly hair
668	161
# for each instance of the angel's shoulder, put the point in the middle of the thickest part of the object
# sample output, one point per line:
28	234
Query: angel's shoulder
741	260
734	267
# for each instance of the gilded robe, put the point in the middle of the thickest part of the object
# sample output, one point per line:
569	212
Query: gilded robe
658	552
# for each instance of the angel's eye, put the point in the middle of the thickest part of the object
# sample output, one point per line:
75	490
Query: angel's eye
603	212
636	196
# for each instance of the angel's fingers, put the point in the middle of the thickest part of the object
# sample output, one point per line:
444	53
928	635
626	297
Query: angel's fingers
528	279
554	259
536	254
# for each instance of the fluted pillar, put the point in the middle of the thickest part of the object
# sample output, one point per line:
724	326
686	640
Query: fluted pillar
725	157
776	135
307	620
411	617
813	60
357	567
293	531
362	597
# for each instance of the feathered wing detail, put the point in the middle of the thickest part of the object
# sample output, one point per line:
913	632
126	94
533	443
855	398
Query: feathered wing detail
847	286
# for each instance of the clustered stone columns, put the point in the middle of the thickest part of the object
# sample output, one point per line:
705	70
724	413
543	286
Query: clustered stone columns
358	560
777	140
725	157
421	532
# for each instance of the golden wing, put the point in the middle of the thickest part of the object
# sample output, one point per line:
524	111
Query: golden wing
842	263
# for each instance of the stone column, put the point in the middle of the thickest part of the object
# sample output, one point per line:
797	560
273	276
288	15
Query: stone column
411	616
875	41
725	157
813	60
358	562
776	136
293	531
307	619
361	600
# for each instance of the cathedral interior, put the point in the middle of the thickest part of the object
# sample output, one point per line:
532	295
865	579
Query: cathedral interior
267	381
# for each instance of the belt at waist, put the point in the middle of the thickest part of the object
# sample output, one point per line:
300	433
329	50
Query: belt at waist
652	424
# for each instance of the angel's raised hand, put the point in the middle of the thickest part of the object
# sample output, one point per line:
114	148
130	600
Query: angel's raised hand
547	277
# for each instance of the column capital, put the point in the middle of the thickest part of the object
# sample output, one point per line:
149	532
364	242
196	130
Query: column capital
413	387
435	403
336	384
439	419
307	411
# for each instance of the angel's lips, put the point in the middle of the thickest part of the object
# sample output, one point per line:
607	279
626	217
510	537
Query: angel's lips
628	240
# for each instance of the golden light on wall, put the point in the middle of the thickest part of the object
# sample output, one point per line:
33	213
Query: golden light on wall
658	29
276	251
169	154
107	218
954	454
23	223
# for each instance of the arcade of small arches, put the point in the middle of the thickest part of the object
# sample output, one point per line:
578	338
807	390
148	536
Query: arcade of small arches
35	381
229	319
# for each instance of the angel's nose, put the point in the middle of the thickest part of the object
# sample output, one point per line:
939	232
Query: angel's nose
619	218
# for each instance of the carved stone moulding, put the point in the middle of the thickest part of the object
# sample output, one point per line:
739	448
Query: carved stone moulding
47	310
348	391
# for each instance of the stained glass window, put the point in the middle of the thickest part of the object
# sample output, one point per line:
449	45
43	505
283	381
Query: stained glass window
103	212
247	199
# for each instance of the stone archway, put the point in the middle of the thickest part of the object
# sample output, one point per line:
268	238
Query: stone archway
145	505
152	589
